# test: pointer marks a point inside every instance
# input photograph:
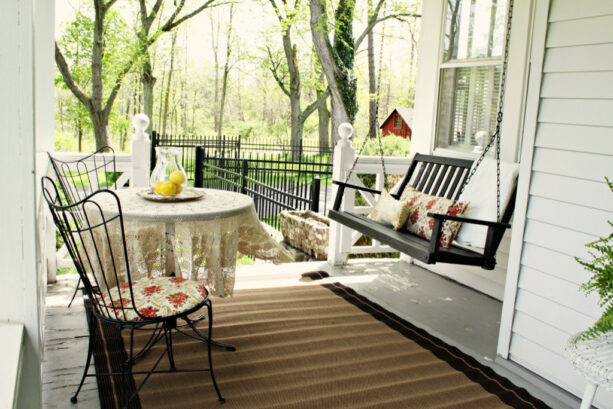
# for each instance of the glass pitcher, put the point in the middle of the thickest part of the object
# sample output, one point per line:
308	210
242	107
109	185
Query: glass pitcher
168	177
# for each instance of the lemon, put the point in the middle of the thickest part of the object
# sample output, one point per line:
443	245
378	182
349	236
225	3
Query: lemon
157	187
177	177
167	189
179	188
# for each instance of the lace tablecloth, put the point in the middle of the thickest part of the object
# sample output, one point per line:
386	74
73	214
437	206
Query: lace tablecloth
197	239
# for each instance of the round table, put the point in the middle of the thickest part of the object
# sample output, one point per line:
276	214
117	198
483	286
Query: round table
197	239
593	358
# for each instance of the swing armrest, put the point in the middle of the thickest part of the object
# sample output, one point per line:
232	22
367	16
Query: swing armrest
495	231
488	223
341	191
362	188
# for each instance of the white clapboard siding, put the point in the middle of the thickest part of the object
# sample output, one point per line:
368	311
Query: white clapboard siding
568	201
585	220
594	85
577	111
572	190
592	139
573	164
554	263
574	10
576	32
559	291
588	58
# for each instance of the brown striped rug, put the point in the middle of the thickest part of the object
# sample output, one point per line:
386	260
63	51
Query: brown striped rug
317	347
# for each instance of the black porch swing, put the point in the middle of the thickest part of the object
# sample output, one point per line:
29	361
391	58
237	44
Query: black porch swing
442	177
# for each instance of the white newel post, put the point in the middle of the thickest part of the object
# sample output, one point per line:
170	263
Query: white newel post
141	149
344	155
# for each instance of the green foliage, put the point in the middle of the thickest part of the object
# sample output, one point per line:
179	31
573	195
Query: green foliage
601	267
392	146
77	42
344	56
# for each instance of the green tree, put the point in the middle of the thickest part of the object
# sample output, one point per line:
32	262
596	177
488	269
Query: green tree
108	70
286	70
337	57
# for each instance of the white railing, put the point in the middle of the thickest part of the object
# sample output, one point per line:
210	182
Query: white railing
343	239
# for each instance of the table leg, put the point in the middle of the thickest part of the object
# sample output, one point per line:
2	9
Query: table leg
588	395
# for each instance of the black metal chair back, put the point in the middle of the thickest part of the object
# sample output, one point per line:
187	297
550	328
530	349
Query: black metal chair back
96	242
80	177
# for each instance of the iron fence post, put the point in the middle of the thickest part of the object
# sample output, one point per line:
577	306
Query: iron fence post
199	167
315	191
154	143
244	174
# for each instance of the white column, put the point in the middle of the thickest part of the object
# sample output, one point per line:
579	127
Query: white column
344	155
141	149
22	272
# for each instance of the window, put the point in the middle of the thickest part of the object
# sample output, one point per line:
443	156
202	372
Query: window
470	71
398	121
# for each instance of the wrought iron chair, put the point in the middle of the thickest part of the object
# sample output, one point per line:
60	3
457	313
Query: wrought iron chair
80	177
97	244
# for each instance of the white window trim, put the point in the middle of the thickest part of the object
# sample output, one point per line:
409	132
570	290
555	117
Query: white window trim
462	63
429	68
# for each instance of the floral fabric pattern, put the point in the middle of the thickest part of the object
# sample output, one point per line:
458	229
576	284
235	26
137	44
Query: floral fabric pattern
451	228
421	204
153	298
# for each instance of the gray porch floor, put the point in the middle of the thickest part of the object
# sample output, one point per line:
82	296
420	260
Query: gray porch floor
460	316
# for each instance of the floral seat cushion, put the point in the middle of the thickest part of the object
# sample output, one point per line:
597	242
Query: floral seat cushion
154	298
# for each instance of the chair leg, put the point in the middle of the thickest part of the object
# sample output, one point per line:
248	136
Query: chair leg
168	339
90	352
76	290
208	345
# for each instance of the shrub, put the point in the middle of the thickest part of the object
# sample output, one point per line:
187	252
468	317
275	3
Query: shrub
392	146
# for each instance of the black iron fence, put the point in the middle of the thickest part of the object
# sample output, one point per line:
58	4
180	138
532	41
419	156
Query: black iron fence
230	147
274	185
277	177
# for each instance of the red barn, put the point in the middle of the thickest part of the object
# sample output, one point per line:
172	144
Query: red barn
398	123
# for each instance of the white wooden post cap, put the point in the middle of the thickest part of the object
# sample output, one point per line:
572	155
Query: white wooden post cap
140	123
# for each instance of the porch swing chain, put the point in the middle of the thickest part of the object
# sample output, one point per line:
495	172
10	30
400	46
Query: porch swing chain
495	137
376	118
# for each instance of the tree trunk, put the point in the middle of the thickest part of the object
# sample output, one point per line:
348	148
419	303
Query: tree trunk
161	107
215	46
80	134
372	84
323	49
96	110
226	72
148	81
169	82
324	125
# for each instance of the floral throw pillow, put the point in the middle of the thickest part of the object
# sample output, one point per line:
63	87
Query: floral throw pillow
390	210
451	228
421	204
